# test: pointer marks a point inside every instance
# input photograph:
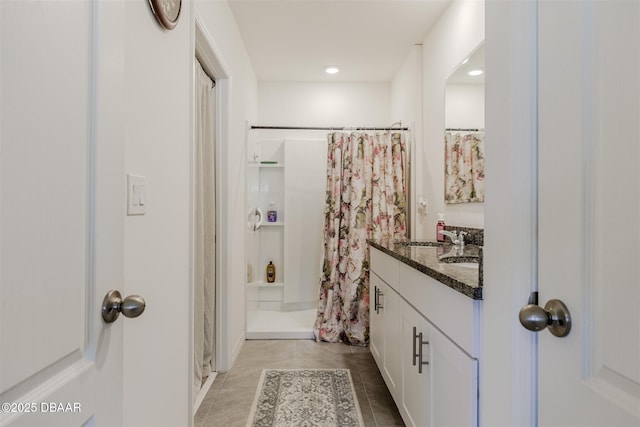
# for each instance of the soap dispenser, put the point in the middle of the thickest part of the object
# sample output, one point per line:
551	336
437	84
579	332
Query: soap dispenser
440	227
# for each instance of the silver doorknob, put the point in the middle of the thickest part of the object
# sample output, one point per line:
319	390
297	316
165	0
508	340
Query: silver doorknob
555	316
113	305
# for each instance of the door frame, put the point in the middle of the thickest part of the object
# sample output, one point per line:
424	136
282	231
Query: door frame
203	48
509	352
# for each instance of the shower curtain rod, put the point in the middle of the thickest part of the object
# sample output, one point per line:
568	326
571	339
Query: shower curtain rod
462	130
328	128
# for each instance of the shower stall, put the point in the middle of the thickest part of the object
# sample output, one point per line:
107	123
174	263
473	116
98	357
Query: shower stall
286	179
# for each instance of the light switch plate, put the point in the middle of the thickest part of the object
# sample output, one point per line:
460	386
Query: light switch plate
136	197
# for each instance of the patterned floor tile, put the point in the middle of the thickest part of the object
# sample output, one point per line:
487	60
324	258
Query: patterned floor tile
229	400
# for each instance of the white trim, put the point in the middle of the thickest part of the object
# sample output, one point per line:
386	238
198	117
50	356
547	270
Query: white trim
192	143
508	372
204	49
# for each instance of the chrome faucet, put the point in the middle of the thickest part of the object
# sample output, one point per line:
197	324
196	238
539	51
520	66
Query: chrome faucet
456	239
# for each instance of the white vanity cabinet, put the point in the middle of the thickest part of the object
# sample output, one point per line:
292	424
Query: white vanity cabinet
423	338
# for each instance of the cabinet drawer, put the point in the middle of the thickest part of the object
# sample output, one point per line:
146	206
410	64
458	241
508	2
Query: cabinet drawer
386	267
456	314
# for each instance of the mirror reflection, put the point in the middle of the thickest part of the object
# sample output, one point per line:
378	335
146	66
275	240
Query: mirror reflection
464	131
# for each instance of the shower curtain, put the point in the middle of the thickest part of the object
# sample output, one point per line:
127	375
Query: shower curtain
464	167
204	253
365	199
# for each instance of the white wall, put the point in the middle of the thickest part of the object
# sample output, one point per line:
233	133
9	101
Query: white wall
319	104
458	32
406	92
406	106
324	104
156	254
158	102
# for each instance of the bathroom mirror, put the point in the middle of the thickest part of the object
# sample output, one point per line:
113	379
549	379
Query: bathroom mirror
464	131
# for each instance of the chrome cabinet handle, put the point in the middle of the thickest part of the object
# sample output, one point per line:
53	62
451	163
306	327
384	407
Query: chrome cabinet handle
415	355
422	343
375	298
113	304
554	316
378	305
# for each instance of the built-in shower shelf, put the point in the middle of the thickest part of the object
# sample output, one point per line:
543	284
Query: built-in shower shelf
265	285
272	224
266	165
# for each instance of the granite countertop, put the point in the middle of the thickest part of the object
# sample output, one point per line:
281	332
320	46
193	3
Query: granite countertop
438	260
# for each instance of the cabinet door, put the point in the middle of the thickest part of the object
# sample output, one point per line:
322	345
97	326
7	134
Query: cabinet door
384	339
376	331
392	372
416	377
454	381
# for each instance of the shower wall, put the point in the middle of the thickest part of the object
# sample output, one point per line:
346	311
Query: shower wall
304	202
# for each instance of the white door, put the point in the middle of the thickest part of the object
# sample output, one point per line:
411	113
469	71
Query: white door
589	211
61	213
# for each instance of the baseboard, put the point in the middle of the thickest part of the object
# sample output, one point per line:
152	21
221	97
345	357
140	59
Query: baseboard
203	391
236	349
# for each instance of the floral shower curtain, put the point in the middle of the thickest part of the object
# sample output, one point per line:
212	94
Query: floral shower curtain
464	167
365	199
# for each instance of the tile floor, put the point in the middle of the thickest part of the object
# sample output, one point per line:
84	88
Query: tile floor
229	400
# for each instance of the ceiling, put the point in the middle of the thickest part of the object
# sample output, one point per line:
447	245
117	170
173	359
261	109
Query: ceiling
292	41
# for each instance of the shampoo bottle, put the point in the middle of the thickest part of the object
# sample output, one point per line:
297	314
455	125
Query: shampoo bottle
271	272
272	214
440	227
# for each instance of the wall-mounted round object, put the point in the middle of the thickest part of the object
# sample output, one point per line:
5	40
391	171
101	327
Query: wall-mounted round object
167	12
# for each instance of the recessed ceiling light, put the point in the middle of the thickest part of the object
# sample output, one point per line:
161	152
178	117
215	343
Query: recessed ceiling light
331	69
475	72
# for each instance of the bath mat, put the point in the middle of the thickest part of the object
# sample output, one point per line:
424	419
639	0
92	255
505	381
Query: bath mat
305	398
